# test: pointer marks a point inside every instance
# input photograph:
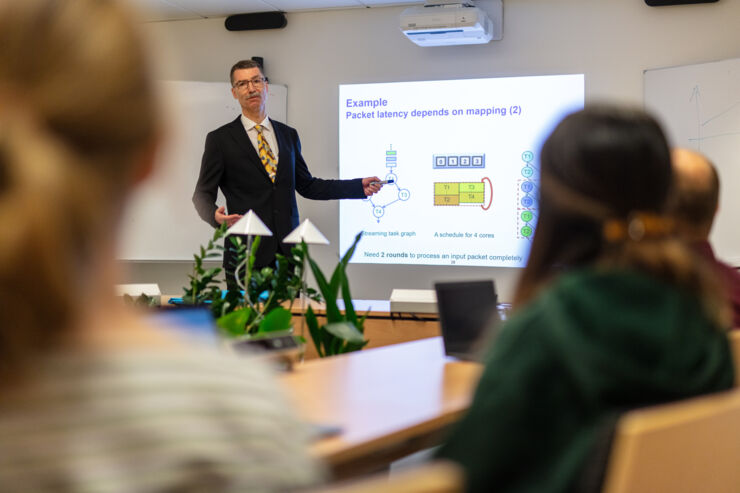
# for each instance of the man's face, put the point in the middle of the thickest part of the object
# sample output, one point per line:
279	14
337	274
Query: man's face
250	90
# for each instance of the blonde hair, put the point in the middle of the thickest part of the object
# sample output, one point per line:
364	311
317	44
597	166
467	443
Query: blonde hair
77	111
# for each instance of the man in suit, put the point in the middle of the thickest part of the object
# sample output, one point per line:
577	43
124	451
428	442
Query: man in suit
694	206
257	163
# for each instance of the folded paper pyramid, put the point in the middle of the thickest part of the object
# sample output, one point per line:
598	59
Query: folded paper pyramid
249	224
307	232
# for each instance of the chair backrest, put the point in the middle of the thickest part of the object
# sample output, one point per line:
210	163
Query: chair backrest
734	336
688	446
435	477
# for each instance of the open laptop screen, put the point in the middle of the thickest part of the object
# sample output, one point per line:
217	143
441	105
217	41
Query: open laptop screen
193	323
467	312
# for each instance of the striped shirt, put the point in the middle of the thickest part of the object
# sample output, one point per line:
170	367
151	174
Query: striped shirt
154	421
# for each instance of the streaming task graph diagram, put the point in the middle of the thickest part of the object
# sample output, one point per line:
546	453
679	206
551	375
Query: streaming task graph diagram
400	195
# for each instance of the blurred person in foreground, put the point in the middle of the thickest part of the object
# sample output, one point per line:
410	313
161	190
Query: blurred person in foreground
93	398
612	313
694	206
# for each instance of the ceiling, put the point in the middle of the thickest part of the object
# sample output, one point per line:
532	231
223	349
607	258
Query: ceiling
170	10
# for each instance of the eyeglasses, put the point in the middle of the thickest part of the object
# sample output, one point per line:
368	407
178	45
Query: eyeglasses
256	82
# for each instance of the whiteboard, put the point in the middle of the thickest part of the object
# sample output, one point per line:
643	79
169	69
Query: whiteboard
699	107
160	221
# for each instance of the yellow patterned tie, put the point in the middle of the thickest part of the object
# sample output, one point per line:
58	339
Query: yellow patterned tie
266	155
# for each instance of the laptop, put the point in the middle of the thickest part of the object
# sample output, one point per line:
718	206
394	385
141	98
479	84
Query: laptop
468	316
195	323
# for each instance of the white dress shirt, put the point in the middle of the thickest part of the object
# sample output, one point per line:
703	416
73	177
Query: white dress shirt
267	132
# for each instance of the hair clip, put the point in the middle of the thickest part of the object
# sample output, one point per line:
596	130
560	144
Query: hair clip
636	227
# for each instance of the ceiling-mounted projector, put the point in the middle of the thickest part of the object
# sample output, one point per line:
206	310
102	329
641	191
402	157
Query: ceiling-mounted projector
447	24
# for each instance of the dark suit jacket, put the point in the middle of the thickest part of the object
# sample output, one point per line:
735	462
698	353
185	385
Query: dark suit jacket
231	163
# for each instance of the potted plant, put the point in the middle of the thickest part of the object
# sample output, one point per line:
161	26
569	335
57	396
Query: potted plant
205	286
264	306
261	307
343	332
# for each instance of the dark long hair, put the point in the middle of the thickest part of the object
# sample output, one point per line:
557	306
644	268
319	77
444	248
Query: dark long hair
600	166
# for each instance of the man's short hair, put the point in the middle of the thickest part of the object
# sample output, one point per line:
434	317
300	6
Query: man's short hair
695	202
242	64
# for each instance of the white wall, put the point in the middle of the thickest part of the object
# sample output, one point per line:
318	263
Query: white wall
612	42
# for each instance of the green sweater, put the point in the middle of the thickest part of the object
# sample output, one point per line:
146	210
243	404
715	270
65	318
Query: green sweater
591	346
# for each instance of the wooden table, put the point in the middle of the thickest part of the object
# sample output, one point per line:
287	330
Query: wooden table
380	328
389	402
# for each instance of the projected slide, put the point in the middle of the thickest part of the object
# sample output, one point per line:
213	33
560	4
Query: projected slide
461	160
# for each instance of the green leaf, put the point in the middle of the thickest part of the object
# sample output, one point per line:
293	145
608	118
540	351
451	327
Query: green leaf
351	250
318	275
345	331
339	280
277	319
349	309
335	345
235	322
203	285
313	329
335	279
210	273
350	346
330	297
361	322
253	253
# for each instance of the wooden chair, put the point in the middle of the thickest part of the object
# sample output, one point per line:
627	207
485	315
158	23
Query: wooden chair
435	477
688	446
734	336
